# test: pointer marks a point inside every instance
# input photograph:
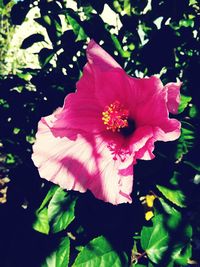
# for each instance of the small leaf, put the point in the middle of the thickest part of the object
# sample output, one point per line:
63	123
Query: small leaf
174	217
182	254
186	140
61	210
41	224
59	257
19	12
154	240
77	29
29	41
193	112
184	101
45	55
127	7
124	54
48	197
99	252
176	196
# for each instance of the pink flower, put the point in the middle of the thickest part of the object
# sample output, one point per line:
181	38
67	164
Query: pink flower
112	120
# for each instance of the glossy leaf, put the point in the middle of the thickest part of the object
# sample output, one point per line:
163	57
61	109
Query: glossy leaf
176	196
154	240
41	223
61	210
99	252
48	197
59	257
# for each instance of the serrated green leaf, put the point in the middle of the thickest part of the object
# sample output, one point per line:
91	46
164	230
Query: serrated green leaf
41	223
59	257
77	29
184	101
156	241
176	196
99	252
186	140
61	210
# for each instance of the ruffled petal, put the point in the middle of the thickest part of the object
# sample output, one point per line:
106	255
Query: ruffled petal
173	93
146	152
99	57
80	162
169	131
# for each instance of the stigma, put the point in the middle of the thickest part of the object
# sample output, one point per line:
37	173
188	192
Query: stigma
115	116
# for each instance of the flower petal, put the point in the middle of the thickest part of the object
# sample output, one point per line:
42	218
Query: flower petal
99	57
80	162
173	90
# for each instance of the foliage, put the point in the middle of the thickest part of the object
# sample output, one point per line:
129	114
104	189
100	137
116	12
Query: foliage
72	229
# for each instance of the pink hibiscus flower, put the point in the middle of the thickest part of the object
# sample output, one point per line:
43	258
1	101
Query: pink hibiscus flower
112	120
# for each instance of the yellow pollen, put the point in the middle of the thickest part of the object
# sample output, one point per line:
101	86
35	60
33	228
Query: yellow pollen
115	116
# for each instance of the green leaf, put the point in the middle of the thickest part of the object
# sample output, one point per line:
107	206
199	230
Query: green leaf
175	178
186	140
184	101
186	23
127	7
77	29
174	217
193	112
41	223
61	210
176	196
48	197
99	252
45	55
182	254
124	54
59	257
25	76
145	236
154	240
29	41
